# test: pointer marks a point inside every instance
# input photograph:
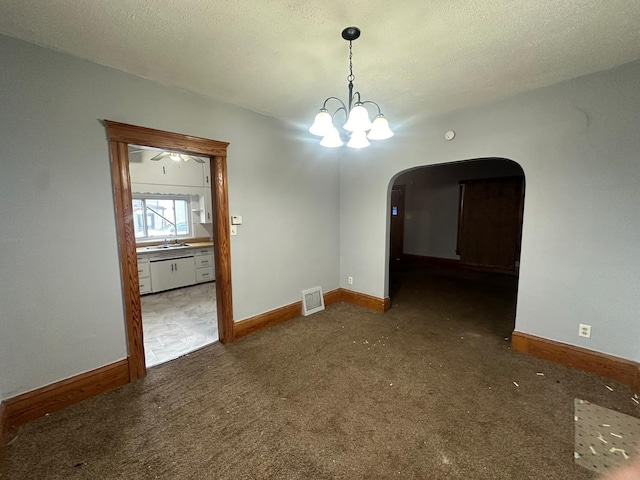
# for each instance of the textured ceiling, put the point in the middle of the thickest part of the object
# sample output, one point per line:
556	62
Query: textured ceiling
284	57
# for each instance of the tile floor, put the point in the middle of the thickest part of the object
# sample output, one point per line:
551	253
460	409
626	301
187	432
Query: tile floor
177	322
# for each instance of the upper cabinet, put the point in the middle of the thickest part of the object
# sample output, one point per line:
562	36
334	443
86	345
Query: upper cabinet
206	204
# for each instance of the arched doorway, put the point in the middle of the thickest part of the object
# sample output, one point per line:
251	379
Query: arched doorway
461	228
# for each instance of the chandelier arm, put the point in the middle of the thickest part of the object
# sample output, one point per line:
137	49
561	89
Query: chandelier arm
324	105
343	108
369	101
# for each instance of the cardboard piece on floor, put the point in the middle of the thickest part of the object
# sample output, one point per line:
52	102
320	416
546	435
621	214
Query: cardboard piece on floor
604	439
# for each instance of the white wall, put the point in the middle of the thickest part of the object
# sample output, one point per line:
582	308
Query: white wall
578	144
60	291
432	195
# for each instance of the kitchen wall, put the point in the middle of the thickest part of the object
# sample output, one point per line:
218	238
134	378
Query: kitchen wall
578	145
60	291
432	196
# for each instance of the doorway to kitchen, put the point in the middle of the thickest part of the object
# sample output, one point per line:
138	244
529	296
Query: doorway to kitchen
171	201
121	136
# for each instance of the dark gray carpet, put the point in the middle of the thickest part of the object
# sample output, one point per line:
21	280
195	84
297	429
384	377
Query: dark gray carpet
424	391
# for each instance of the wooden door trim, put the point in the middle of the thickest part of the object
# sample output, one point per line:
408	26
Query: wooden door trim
120	136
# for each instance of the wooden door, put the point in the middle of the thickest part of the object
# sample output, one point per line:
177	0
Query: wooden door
397	222
490	222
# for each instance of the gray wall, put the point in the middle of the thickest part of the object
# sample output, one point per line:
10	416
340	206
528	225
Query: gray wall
60	290
578	145
432	195
311	216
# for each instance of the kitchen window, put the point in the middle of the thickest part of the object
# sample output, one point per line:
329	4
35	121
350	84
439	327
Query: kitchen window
161	216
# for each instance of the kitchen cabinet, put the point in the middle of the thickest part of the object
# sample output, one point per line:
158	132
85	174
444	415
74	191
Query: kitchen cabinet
144	274
206	213
172	273
204	265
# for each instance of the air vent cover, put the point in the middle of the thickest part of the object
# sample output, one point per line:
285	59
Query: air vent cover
312	301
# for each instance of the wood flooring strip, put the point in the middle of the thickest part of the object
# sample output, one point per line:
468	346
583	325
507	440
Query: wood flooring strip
363	300
608	366
36	403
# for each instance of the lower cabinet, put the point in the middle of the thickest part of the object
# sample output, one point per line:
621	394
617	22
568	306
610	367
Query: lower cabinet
173	273
204	265
144	274
160	270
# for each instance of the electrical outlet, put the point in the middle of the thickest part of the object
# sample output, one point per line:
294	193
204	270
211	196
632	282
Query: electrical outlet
350	280
584	330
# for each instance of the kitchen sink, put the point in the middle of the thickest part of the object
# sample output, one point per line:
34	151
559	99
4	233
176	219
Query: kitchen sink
169	245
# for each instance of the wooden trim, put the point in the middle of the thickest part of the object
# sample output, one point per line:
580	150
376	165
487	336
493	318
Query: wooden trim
364	300
444	262
149	137
279	315
454	263
4	428
222	249
591	361
267	319
51	398
120	136
332	297
128	258
636	386
293	310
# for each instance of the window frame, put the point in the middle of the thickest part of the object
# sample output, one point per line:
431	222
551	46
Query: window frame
172	197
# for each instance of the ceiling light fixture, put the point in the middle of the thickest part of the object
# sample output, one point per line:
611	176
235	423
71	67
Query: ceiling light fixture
358	123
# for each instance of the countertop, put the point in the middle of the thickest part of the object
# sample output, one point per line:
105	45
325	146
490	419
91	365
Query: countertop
146	249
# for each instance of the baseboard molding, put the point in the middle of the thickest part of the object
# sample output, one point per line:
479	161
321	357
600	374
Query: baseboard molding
289	312
23	408
454	263
607	366
363	300
445	262
636	386
331	297
273	317
3	428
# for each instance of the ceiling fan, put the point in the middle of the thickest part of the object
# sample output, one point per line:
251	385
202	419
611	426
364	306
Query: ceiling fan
177	157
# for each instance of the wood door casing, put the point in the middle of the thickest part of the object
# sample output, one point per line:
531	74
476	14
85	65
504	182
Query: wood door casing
120	136
396	212
490	222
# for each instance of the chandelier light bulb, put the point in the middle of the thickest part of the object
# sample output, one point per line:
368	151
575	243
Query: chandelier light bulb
175	157
380	129
358	119
332	139
358	139
322	124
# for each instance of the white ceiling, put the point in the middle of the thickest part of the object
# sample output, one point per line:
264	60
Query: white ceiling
284	57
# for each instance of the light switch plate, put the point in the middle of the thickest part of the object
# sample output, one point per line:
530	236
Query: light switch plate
236	219
234	230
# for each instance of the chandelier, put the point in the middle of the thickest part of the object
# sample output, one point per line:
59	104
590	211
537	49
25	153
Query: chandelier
358	123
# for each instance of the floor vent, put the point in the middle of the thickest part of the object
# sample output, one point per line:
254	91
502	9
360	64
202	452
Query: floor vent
312	301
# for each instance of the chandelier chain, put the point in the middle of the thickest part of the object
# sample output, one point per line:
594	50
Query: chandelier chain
351	77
